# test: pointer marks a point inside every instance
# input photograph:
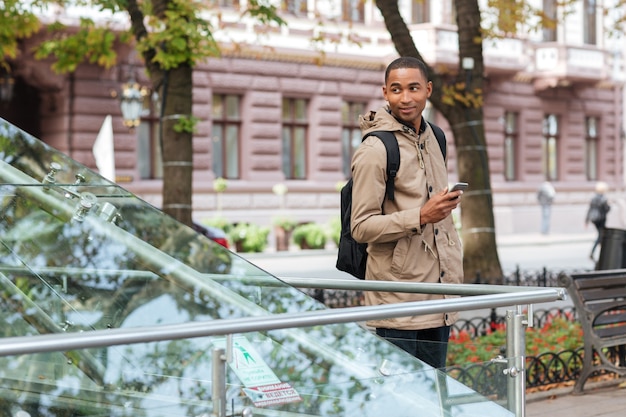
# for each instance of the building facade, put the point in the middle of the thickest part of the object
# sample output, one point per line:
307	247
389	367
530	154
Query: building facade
280	107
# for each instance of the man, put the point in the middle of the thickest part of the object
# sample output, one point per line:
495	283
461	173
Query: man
413	237
598	209
545	196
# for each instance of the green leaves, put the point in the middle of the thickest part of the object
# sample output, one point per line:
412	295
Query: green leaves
15	23
179	36
91	43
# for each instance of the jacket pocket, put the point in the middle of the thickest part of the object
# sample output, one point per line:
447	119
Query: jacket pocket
403	260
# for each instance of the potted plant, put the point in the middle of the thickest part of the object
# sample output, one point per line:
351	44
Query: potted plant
249	237
310	236
283	227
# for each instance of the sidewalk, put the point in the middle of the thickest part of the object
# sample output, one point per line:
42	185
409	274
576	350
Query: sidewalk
537	239
606	399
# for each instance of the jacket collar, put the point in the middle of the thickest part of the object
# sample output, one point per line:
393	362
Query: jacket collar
410	126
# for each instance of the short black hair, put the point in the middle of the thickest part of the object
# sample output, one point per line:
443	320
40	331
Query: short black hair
407	62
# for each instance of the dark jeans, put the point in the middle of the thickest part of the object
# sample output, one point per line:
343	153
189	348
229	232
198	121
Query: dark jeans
600	226
428	345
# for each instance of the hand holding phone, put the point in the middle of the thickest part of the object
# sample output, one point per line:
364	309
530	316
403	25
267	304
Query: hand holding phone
458	186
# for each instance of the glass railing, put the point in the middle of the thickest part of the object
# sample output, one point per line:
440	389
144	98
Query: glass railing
83	260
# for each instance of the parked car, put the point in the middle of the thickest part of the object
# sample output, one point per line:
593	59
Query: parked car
214	233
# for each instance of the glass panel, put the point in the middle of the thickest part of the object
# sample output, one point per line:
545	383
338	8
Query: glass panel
552	159
589	25
78	258
144	150
232	151
346	151
157	155
217	109
300	110
346	115
511	122
299	153
591	156
232	107
287	152
420	12
510	131
218	151
592	131
509	158
549	24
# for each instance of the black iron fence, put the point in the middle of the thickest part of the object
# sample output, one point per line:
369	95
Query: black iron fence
488	378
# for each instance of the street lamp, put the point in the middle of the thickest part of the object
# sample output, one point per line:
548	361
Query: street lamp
131	102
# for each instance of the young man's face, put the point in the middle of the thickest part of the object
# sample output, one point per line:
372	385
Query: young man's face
406	92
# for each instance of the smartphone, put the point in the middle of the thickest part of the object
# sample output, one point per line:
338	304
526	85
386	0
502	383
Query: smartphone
458	186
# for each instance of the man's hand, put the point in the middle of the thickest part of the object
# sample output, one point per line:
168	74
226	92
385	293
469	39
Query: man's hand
439	206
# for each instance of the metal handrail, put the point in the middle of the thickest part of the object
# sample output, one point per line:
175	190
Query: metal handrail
111	337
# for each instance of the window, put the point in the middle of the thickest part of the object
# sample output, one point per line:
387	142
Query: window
420	11
149	156
294	138
591	148
350	132
225	136
549	22
589	22
549	147
511	135
295	7
352	10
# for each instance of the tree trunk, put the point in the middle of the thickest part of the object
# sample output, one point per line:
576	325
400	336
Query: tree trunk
465	117
177	146
479	235
175	90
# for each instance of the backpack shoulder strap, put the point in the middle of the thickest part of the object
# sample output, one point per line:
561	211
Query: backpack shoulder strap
393	157
441	138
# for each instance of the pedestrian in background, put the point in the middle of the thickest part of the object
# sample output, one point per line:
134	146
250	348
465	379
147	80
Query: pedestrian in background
598	209
545	196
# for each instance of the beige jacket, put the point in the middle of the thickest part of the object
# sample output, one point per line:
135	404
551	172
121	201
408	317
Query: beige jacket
398	248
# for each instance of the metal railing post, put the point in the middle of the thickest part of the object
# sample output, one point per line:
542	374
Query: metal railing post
516	354
219	383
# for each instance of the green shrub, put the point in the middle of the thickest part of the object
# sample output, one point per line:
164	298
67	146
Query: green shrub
310	236
286	222
249	237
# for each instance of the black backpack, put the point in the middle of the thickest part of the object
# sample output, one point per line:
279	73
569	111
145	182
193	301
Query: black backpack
352	255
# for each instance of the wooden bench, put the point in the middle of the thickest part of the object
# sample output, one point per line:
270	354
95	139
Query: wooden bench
600	301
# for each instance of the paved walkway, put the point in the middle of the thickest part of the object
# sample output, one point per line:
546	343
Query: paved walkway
598	400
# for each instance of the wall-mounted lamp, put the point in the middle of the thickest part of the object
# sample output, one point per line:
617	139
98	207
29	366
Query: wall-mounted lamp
7	82
131	102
